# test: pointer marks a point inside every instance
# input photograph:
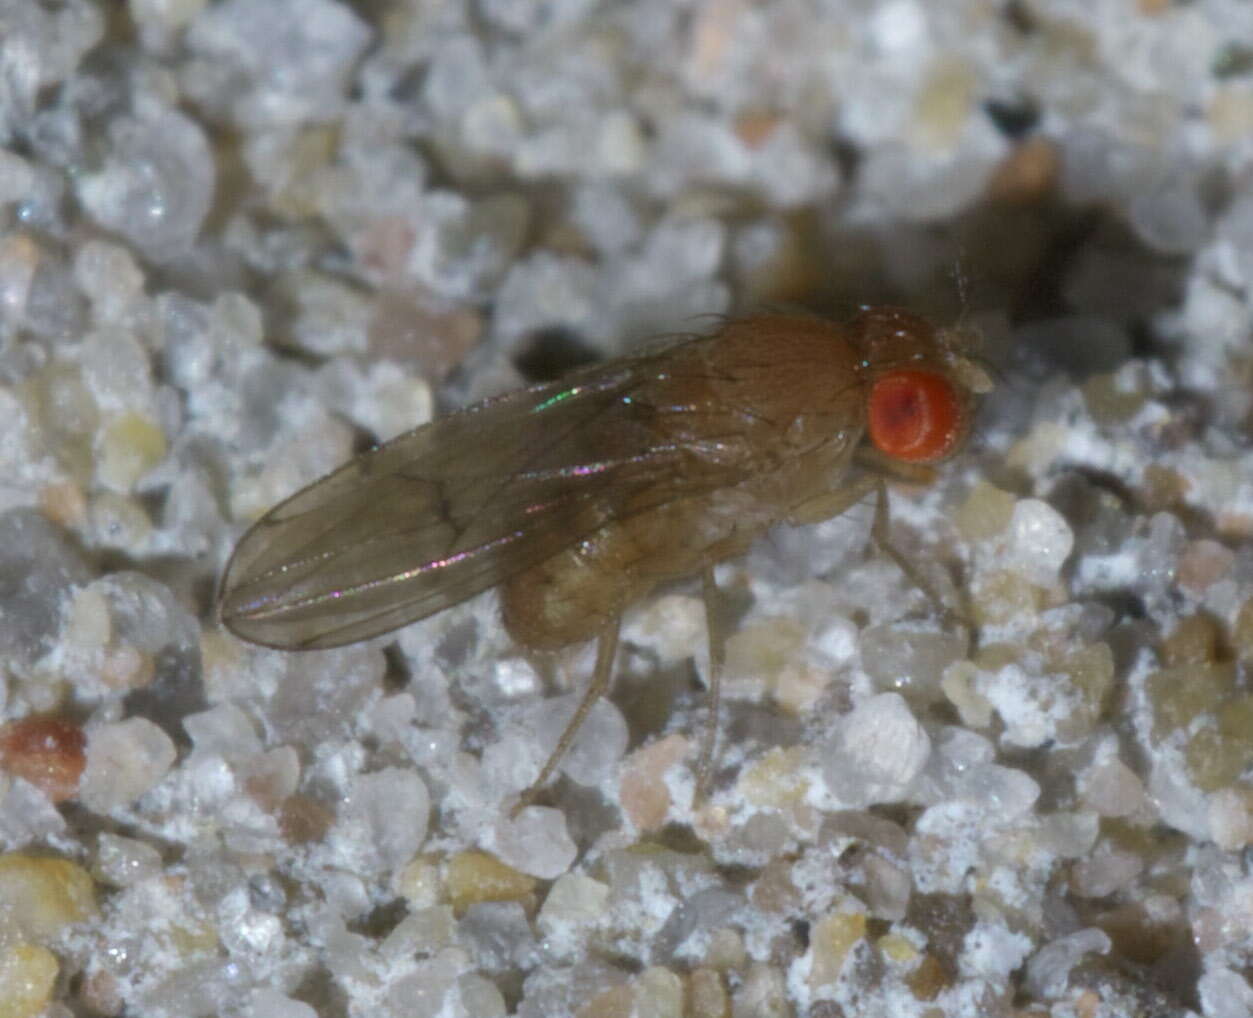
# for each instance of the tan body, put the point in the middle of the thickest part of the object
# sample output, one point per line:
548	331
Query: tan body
787	395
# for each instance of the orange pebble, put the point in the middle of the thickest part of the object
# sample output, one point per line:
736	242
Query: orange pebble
47	752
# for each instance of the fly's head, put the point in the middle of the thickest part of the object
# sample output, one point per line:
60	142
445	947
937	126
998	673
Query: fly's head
921	383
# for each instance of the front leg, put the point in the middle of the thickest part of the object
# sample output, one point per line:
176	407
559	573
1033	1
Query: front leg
880	530
829	504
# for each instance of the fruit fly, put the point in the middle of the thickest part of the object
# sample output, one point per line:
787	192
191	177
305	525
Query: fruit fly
581	496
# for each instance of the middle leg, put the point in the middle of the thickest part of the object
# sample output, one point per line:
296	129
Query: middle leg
606	652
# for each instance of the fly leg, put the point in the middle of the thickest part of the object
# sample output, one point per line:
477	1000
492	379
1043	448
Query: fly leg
606	651
880	530
832	503
716	635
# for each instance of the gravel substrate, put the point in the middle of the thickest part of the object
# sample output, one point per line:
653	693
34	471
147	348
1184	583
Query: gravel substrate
242	241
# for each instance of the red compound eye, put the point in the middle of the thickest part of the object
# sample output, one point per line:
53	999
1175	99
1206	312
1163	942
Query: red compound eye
915	415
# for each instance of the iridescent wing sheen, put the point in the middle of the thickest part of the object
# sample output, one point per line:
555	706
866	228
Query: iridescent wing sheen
455	507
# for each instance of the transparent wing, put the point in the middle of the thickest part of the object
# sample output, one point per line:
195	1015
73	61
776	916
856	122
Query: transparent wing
459	505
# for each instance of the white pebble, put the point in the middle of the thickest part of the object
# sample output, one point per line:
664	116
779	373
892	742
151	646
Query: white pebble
109	277
1225	994
876	752
1229	821
1049	969
1032	706
225	730
887	888
1003	793
19	258
384	821
670	626
17	177
156	185
124	760
574	898
899	28
991	951
1069	835
511	763
27	815
1113	789
268	1003
537	842
573	907
1105	871
296	53
1038	540
125	861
